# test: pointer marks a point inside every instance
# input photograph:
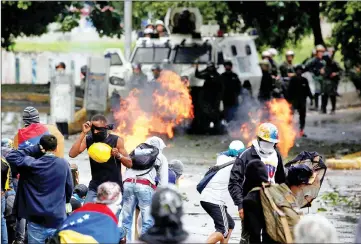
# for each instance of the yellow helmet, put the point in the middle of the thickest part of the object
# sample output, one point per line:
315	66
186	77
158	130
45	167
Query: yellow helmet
100	152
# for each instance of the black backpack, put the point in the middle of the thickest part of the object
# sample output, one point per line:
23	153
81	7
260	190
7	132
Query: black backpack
142	162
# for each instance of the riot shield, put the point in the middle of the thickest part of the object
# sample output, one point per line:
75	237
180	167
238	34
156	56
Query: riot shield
96	87
62	97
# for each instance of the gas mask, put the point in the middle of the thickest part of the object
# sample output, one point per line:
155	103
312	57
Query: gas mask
101	134
266	147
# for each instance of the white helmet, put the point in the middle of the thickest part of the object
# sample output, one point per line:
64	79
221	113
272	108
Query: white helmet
148	31
290	53
159	22
266	54
273	52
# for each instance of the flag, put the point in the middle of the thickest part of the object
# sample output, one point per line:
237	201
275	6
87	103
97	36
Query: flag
92	223
30	136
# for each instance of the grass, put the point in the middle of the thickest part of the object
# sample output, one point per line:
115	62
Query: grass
64	46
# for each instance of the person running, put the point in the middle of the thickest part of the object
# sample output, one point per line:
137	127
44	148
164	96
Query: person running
264	149
139	187
214	195
109	170
45	187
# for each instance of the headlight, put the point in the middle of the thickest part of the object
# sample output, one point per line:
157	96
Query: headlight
117	81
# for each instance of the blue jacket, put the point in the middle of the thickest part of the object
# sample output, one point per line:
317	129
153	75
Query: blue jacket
45	186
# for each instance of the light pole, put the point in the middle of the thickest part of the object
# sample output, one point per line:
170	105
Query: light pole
127	28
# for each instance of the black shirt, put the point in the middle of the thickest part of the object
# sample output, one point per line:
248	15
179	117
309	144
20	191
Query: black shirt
232	88
103	172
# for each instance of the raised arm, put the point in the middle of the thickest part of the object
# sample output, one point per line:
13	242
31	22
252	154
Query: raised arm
80	144
24	158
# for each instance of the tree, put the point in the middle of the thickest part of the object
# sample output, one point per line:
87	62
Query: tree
346	34
32	18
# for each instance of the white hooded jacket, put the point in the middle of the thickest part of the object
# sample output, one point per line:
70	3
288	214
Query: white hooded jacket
161	163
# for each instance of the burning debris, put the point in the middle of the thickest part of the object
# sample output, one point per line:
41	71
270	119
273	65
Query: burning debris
143	113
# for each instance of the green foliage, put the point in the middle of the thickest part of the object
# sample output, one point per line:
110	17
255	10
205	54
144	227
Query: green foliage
346	34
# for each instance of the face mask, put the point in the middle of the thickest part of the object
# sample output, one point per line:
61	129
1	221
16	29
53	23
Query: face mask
100	135
266	147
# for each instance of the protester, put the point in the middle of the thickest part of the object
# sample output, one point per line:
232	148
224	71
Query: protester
298	91
214	195
167	212
177	167
78	197
290	195
211	96
45	187
101	172
315	229
287	71
94	222
264	149
5	186
317	67
267	83
274	67
232	89
139	186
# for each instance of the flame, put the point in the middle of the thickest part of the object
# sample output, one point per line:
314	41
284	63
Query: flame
279	113
171	105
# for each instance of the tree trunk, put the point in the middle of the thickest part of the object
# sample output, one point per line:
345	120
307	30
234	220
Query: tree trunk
313	9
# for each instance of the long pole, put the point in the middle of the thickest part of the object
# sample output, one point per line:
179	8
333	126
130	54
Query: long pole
128	28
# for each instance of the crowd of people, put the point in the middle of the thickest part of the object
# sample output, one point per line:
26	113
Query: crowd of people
41	203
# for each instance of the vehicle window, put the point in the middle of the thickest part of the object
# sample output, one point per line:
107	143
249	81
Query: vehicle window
220	58
144	55
244	64
248	50
114	59
188	55
234	50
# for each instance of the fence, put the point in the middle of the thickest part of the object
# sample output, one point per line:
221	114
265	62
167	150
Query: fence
37	68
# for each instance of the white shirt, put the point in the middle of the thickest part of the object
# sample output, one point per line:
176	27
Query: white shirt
270	160
216	191
161	162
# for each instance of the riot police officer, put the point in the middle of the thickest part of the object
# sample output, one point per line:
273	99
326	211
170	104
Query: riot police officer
287	71
317	67
211	96
332	78
232	90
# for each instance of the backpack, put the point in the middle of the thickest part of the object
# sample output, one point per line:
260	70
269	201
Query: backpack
209	175
144	156
280	210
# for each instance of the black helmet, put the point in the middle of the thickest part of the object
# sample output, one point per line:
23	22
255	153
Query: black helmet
81	190
210	64
299	174
227	62
167	206
300	67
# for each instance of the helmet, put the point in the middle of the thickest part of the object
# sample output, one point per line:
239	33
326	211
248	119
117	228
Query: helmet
159	22
235	148
320	48
227	62
266	54
314	51
100	152
273	52
268	132
300	67
155	67
167	205
290	53
6	142
177	166
81	190
136	66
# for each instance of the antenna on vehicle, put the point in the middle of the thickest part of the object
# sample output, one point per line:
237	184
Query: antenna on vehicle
183	42
166	44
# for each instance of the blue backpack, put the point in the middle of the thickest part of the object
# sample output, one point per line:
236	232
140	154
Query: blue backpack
209	175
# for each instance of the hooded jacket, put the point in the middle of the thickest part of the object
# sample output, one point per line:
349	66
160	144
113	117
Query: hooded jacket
161	165
238	180
254	221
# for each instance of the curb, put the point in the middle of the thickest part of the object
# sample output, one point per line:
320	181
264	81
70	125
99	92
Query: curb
33	97
340	164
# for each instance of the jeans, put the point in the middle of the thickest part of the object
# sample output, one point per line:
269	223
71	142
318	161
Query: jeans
136	193
90	196
4	231
38	233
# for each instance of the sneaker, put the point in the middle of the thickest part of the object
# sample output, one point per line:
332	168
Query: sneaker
302	134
